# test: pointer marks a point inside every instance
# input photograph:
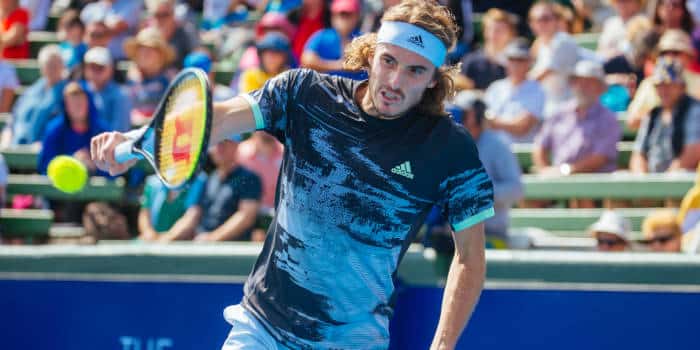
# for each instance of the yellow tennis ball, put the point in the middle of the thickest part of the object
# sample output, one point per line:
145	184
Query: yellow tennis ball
67	174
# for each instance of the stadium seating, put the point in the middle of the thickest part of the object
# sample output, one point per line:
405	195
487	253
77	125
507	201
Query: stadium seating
570	222
25	158
97	189
523	153
608	186
25	223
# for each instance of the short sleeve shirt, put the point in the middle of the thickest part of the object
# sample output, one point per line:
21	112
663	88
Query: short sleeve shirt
18	16
353	192
165	211
508	102
222	196
660	153
570	138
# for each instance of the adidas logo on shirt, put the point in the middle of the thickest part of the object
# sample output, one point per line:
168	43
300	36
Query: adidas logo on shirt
416	40
404	170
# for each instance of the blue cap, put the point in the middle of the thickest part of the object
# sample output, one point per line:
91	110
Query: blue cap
198	60
274	41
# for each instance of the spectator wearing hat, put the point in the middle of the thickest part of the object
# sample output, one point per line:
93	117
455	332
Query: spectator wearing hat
275	57
669	139
674	44
14	28
111	100
161	15
612	232
71	30
661	231
201	59
612	39
147	80
324	50
229	204
487	64
120	17
40	102
498	160
515	104
582	137
556	54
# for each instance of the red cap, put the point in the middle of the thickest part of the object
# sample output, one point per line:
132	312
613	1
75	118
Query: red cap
345	6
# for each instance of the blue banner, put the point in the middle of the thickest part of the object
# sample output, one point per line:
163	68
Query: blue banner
92	315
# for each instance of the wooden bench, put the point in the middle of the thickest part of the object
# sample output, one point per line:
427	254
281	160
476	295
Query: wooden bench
523	152
25	223
97	189
574	221
608	186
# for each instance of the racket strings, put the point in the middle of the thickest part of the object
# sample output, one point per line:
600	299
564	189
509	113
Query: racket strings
183	125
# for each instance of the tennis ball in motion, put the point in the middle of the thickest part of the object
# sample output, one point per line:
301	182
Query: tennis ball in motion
67	174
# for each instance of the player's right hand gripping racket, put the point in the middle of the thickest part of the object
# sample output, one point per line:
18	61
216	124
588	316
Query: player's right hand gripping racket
175	142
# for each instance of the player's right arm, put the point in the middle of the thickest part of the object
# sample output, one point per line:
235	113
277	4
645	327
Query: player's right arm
263	109
231	117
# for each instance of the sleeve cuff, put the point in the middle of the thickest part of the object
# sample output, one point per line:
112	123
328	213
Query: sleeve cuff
257	114
474	219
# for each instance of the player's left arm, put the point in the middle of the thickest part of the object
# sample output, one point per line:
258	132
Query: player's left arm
465	281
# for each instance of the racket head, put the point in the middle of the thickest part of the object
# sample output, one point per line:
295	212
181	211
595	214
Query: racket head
176	141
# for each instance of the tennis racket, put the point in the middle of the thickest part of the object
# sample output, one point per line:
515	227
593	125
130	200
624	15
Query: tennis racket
175	142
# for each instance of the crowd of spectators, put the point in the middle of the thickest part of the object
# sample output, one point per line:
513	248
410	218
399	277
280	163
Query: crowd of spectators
523	79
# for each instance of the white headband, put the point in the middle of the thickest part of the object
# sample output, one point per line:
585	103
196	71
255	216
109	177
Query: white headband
414	39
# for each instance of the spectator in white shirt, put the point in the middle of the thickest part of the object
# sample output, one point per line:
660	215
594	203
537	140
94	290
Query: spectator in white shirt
612	41
516	103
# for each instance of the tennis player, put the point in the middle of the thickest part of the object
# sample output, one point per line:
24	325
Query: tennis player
364	163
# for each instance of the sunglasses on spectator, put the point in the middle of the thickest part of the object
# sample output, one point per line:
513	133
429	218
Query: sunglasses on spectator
661	239
602	242
674	53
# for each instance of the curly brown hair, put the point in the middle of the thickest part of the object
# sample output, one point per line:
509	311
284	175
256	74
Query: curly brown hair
430	16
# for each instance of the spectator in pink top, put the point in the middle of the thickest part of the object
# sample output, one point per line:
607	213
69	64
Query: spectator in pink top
262	154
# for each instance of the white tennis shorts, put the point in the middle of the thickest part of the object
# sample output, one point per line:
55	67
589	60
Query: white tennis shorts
247	332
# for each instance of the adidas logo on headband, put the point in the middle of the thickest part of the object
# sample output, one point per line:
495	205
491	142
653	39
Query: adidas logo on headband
416	40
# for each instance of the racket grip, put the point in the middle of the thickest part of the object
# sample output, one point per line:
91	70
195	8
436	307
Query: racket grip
123	152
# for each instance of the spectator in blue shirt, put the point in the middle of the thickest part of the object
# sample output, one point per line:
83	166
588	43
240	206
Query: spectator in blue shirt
71	31
324	50
71	132
112	102
498	160
41	101
228	207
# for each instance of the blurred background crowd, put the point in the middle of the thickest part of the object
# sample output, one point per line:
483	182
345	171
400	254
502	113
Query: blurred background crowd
548	89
